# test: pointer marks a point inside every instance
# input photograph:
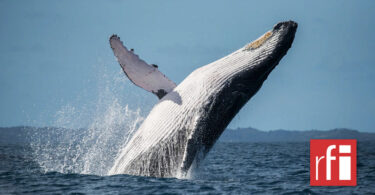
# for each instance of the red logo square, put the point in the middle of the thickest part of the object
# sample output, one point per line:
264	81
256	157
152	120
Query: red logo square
333	162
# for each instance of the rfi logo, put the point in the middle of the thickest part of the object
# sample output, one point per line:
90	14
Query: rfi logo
333	162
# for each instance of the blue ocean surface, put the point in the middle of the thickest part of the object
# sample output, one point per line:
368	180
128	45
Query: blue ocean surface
230	168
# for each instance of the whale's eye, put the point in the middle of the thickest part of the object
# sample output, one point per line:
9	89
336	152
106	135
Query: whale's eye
257	43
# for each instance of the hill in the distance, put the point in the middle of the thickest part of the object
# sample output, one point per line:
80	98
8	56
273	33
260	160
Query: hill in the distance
254	135
19	135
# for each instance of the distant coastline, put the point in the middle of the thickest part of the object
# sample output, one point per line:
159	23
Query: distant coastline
23	134
254	135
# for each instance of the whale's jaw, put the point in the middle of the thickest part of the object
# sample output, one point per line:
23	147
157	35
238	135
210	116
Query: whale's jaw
185	124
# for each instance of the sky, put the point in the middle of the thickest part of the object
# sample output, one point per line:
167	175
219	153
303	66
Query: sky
57	65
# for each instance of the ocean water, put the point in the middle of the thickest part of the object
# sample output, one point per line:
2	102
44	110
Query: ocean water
230	168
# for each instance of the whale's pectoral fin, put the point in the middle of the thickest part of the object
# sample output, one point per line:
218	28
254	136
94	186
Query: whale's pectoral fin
139	72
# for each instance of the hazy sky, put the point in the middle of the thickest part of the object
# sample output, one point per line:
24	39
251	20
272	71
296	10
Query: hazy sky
55	58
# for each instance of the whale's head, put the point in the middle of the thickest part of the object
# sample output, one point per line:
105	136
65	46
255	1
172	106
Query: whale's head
262	55
235	78
256	60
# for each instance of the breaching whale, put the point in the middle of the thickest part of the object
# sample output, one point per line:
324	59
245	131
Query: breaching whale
188	119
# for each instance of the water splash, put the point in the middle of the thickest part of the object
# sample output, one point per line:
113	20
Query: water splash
86	151
91	150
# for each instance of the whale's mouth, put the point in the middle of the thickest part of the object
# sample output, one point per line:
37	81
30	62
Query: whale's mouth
285	31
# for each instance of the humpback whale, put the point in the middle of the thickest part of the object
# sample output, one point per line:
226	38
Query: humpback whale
188	119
